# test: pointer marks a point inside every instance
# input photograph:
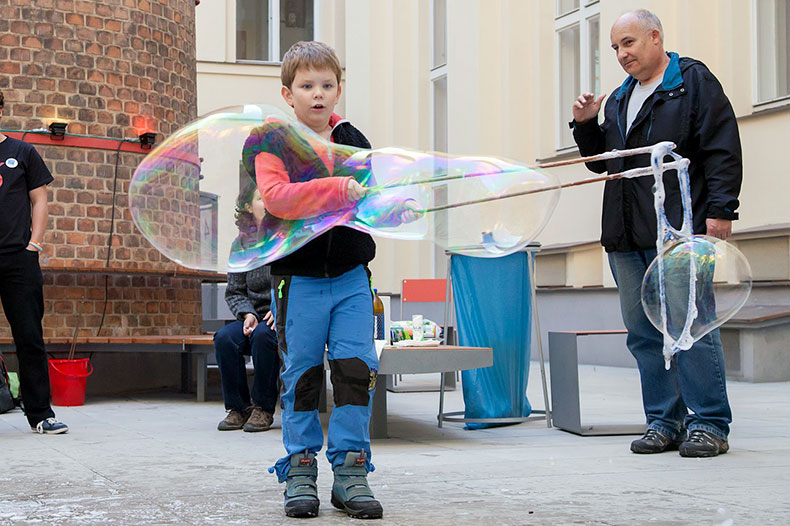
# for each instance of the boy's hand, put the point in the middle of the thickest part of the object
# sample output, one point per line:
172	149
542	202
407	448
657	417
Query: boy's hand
411	212
355	191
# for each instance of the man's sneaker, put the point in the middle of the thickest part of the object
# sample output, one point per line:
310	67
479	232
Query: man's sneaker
703	444
50	426
259	420
235	420
654	442
350	490
301	491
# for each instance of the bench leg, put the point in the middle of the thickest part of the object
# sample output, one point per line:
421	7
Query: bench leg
186	372
378	416
202	376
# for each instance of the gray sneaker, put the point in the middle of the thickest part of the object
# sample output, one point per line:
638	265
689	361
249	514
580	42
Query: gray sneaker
259	420
235	420
350	490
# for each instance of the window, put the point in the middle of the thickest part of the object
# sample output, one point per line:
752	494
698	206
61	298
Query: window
259	38
439	136
578	59
773	49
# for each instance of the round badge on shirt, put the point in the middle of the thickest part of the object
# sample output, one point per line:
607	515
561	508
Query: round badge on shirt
11	162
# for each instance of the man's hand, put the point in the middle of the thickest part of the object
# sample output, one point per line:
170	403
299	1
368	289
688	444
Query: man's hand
586	107
269	319
720	228
355	191
250	322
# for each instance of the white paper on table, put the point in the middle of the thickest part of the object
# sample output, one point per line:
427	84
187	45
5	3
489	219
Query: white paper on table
416	343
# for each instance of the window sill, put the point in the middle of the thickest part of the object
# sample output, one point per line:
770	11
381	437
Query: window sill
563	154
767	108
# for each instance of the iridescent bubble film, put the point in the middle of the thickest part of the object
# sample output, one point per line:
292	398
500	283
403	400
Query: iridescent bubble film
215	195
705	282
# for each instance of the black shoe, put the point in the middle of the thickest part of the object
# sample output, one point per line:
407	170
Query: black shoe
654	442
703	444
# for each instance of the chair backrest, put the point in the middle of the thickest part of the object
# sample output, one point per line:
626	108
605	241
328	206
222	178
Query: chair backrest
425	290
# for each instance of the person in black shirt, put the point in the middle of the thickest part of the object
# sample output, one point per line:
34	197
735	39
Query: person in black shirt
23	217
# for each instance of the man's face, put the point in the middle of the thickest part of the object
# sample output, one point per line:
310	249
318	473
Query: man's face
313	96
639	52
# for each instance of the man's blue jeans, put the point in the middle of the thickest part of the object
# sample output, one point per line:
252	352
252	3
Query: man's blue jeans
696	379
231	345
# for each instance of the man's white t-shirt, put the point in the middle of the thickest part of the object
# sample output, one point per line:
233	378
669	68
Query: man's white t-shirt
638	97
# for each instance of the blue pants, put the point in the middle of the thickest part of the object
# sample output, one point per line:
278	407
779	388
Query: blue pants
312	313
696	379
230	346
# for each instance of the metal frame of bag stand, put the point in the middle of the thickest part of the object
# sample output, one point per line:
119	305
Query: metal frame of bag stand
539	414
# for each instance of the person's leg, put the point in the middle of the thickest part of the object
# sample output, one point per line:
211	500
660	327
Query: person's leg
230	346
664	407
21	290
301	310
704	388
354	364
263	344
302	323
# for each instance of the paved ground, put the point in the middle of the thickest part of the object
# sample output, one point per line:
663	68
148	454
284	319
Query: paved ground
157	459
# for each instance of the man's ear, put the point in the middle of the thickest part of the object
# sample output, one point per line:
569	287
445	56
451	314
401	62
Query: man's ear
287	95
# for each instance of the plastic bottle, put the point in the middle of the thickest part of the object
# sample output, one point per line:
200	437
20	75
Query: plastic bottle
378	316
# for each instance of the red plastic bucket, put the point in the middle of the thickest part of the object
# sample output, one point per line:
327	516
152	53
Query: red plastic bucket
67	380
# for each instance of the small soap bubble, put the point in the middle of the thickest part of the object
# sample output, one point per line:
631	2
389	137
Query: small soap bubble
699	282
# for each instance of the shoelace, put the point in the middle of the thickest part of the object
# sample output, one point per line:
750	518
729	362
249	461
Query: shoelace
699	437
651	434
40	425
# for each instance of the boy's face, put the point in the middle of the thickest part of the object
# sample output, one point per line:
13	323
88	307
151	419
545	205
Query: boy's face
313	96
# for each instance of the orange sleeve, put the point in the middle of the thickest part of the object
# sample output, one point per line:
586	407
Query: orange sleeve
288	200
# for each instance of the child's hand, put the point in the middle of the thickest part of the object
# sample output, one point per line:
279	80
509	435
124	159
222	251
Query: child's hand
355	191
411	212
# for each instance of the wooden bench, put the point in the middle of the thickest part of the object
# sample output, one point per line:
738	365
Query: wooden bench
189	346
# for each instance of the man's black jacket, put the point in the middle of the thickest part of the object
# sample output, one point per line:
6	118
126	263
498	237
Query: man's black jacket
690	109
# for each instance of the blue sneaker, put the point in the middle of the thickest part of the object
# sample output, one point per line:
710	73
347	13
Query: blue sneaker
301	491
50	426
350	490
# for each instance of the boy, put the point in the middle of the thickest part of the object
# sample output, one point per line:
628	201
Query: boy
321	291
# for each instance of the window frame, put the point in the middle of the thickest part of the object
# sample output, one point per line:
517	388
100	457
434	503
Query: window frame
582	16
274	32
757	103
439	73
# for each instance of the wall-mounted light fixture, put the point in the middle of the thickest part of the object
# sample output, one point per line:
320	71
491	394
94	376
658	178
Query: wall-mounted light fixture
147	140
58	129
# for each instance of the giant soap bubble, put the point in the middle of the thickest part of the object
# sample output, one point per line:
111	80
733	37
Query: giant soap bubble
695	285
194	196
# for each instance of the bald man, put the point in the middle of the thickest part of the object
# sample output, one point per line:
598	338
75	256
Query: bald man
665	98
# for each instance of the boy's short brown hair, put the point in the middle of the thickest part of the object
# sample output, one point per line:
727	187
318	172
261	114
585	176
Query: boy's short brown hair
309	55
2	100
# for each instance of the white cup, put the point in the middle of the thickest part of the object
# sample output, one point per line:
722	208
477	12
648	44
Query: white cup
418	325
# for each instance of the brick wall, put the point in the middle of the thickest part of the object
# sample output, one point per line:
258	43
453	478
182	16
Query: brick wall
112	68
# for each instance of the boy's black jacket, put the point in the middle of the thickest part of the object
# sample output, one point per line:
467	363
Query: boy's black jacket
341	248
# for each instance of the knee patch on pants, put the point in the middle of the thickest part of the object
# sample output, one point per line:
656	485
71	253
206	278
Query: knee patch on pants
308	389
352	381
